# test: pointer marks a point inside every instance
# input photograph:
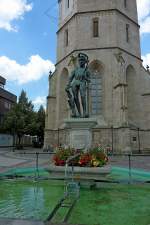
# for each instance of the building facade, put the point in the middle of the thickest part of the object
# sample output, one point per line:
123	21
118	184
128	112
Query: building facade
108	32
7	99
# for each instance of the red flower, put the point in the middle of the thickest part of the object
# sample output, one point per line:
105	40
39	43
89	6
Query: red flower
84	159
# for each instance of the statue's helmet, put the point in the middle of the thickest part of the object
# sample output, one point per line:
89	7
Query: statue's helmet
83	57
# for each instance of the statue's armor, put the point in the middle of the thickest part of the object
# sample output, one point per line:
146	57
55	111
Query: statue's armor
79	76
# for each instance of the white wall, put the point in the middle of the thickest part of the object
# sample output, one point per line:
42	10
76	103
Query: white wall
6	140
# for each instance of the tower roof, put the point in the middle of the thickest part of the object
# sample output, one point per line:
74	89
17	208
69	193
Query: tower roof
2	80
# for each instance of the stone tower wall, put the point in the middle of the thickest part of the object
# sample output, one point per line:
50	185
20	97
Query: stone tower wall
125	91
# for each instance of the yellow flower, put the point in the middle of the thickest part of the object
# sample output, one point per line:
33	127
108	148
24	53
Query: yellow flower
93	157
95	163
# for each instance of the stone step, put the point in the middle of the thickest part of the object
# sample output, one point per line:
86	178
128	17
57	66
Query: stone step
62	224
20	222
29	222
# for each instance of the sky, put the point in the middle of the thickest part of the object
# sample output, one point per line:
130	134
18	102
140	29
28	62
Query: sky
28	44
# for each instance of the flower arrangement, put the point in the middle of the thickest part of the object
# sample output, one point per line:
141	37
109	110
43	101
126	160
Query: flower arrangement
95	157
61	155
85	159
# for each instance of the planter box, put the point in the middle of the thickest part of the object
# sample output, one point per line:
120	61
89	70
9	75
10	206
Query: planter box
80	173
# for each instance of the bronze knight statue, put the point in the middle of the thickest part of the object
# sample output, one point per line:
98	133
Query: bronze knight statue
77	88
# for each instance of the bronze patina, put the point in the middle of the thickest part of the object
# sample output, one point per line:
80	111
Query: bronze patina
77	88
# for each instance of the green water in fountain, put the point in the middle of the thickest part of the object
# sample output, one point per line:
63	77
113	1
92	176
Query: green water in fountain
28	199
112	204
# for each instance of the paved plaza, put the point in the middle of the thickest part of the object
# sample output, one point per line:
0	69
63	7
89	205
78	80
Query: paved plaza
27	158
137	162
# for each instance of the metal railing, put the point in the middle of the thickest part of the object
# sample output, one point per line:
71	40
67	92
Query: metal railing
132	165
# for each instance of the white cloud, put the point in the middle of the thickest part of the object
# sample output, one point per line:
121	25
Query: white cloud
34	70
146	60
40	100
143	8
144	15
11	10
145	26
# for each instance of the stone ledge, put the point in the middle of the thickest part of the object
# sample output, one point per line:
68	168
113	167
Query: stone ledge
80	123
77	169
83	173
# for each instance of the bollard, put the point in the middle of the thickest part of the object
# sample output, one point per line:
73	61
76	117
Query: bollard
130	174
37	164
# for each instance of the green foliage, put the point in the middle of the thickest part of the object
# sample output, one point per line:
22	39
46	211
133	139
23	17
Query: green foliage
40	123
22	119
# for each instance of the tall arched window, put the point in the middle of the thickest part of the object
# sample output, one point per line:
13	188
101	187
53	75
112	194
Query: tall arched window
63	100
68	3
95	27
96	90
127	32
125	3
66	40
131	93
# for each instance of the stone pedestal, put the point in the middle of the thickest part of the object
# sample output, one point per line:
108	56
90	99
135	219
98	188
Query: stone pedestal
80	132
83	173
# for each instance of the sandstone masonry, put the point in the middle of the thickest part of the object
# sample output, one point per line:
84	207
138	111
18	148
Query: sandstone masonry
120	95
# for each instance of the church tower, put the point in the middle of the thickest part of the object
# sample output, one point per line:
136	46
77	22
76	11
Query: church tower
108	32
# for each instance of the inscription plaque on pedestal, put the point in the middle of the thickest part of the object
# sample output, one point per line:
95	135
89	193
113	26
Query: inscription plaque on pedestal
80	133
80	139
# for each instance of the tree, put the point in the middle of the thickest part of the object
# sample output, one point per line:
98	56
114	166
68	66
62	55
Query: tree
20	119
41	123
